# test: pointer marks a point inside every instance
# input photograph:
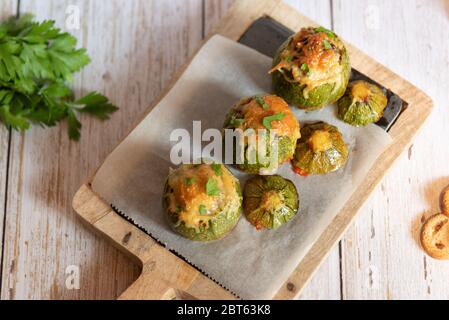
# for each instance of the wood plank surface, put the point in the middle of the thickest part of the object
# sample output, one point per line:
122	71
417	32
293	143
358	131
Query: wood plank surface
132	60
382	258
7	8
213	11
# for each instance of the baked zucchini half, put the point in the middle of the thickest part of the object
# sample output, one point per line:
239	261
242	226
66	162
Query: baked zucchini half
363	103
311	69
268	120
320	150
202	201
269	201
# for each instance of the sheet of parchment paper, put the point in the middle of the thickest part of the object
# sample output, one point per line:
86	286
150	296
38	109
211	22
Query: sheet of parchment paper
252	264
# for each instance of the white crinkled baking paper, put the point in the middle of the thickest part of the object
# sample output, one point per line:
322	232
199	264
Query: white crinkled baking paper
253	264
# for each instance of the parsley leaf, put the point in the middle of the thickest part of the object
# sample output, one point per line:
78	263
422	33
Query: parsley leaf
16	121
267	120
96	105
36	62
74	125
189	181
212	187
260	100
326	44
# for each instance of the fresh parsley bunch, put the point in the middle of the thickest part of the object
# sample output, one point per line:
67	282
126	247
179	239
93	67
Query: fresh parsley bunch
37	61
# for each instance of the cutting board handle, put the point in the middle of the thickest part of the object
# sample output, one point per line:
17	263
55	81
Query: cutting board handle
164	275
150	286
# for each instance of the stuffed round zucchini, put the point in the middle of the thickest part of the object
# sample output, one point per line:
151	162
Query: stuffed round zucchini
268	120
363	103
269	201
311	69
202	201
320	150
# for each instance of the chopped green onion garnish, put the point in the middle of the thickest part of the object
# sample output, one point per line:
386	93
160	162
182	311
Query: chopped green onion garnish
267	120
260	100
212	187
329	33
304	67
202	209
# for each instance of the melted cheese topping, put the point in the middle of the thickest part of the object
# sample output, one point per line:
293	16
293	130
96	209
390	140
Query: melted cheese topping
187	198
320	141
322	65
271	200
312	49
254	115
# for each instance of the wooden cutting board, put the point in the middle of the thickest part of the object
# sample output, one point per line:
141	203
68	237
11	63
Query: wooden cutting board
167	276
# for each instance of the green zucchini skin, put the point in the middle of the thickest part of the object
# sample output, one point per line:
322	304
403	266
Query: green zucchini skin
286	143
270	201
285	153
224	219
321	162
318	97
361	111
224	223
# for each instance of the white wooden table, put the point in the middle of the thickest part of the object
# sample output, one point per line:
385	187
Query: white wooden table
136	46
